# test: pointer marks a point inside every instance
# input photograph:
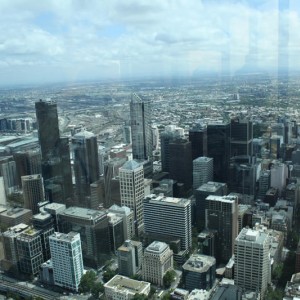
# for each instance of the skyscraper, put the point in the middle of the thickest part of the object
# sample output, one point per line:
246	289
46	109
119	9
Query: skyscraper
252	261
203	168
86	165
222	216
198	139
55	155
33	191
241	142
169	217
132	191
140	115
66	256
218	147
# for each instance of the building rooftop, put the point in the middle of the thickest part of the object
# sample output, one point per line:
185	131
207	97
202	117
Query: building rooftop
130	165
15	212
157	247
55	206
83	213
211	186
252	236
65	237
83	135
198	295
199	263
43	215
15	230
126	284
163	200
224	199
202	159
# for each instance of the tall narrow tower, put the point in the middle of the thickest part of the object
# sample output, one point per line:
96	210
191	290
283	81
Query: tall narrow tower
132	191
86	164
55	158
140	115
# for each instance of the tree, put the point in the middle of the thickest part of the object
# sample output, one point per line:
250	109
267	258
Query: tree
168	278
274	294
108	275
166	296
97	289
87	282
139	297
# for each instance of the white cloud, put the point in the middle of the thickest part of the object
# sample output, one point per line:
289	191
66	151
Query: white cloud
141	37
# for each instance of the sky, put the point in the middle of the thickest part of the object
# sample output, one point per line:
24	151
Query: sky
73	40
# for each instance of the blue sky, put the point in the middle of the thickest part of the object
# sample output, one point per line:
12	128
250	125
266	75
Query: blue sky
71	40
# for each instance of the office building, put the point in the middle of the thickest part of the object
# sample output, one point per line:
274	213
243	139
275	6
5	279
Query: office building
198	139
54	209
126	259
28	163
9	173
141	132
252	262
55	153
201	193
86	165
264	183
169	217
221	214
15	216
203	168
158	259
170	133
44	222
199	272
29	247
127	134
116	231
241	142
138	250
97	197
131	176
181	164
9	240
218	148
124	288
94	233
66	257
33	191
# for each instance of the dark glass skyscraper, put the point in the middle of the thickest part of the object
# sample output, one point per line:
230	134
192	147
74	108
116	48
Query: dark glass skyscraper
55	154
218	145
86	165
198	138
140	115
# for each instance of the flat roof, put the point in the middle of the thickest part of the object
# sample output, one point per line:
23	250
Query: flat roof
157	247
211	186
83	213
66	237
161	199
199	263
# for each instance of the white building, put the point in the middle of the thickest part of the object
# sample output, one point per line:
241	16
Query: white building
279	174
252	260
132	190
66	256
124	288
168	216
158	259
203	168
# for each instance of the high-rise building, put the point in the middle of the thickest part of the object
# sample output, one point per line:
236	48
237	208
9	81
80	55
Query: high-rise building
222	216
126	259
66	257
170	134
198	139
264	183
29	247
140	115
33	191
158	259
127	134
252	261
201	193
199	272
181	164
132	191
9	173
169	217
241	142
55	155
28	163
116	231
86	165
203	168
218	147
94	233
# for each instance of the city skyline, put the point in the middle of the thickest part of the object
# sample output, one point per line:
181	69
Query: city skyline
71	41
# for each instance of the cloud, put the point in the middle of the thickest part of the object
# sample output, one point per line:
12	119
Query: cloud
133	38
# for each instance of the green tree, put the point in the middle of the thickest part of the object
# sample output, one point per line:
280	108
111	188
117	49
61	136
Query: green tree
166	296
168	278
139	297
87	282
97	289
273	294
108	275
